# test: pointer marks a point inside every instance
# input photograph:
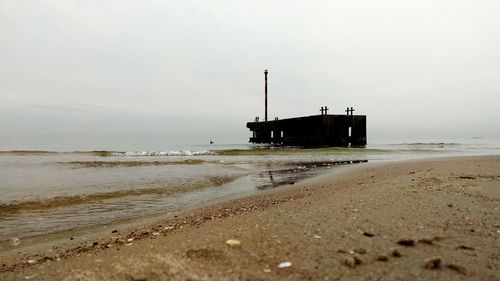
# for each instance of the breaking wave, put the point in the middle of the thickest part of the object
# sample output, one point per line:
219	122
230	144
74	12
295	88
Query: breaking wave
102	153
121	164
165	153
105	153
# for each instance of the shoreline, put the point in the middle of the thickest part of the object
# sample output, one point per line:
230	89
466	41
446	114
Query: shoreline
74	238
226	217
190	198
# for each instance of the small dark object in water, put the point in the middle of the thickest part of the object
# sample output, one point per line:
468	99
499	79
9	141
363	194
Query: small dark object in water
114	231
292	182
95	244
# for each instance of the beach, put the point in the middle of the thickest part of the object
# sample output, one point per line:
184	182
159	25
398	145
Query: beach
426	219
249	140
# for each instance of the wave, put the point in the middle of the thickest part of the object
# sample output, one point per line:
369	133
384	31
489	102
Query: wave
29	152
298	150
106	153
66	201
121	164
165	153
432	144
102	153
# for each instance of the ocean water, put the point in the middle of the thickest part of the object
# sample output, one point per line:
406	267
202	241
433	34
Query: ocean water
49	191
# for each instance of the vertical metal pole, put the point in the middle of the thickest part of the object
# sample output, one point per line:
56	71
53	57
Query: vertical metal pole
265	74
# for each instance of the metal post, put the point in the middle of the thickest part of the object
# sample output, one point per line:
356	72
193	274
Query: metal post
265	74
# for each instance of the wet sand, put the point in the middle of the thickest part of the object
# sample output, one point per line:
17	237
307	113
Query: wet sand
433	219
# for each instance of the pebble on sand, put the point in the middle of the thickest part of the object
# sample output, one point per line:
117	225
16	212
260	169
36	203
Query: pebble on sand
352	261
426	241
406	242
433	263
382	258
464	247
285	264
360	251
233	243
395	253
14	241
368	234
458	268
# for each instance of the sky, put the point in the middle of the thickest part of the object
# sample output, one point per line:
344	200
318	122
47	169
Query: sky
142	74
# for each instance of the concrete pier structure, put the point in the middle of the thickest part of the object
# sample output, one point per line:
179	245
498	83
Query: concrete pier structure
312	131
347	130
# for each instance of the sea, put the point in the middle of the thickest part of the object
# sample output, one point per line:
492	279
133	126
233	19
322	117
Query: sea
49	191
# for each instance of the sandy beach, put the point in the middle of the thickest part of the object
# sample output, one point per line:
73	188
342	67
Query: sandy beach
436	219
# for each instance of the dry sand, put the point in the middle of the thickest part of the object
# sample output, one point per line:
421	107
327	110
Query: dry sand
416	220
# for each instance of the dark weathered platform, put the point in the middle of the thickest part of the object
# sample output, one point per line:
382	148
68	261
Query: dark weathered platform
312	131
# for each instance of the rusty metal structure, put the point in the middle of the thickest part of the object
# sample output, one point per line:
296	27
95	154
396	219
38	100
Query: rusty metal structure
342	130
265	91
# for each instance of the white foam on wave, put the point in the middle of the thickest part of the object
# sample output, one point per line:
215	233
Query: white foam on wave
166	153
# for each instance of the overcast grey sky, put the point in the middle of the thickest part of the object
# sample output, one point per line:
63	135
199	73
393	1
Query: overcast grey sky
93	73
